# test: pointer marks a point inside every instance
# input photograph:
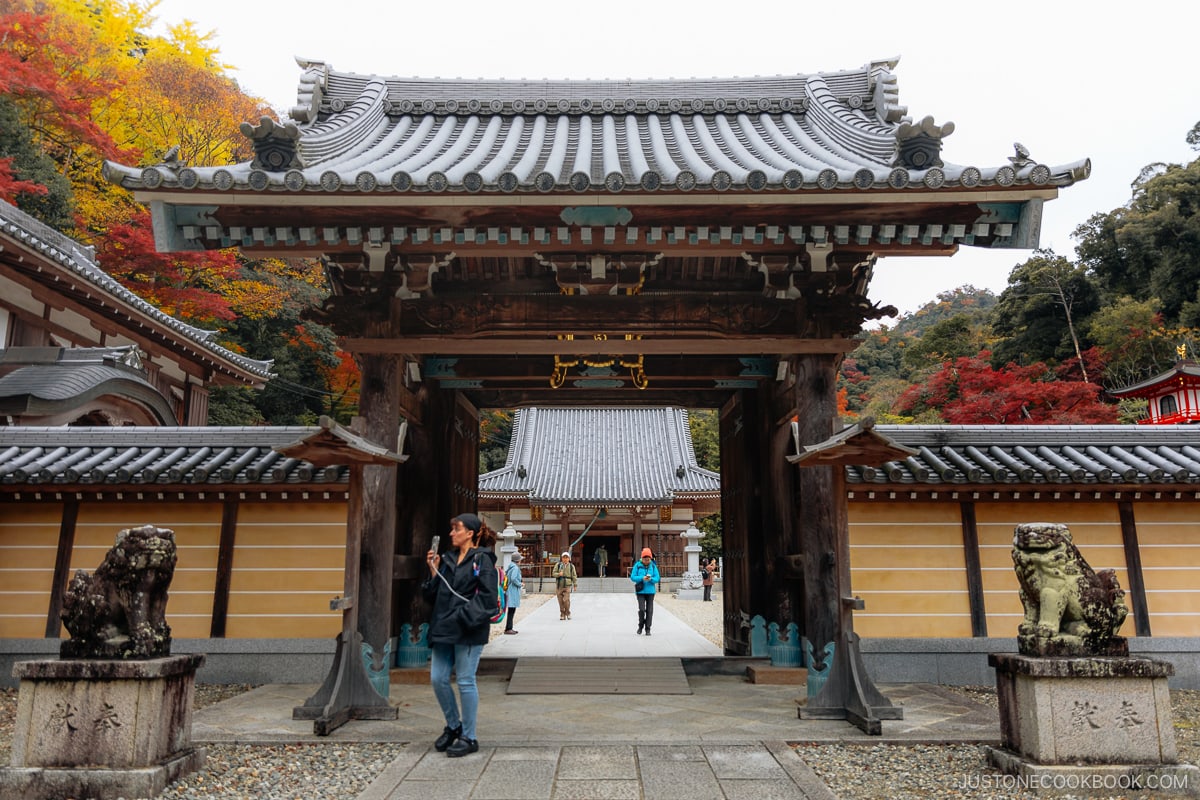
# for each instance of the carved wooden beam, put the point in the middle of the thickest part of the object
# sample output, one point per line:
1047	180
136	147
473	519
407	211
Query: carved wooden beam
691	346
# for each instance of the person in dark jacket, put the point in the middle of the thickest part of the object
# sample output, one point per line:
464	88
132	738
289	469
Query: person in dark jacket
645	579
462	588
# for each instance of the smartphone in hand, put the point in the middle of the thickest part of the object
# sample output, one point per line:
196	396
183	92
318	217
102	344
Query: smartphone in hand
433	545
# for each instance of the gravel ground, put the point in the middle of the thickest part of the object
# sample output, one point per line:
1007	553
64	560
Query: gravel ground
864	772
934	772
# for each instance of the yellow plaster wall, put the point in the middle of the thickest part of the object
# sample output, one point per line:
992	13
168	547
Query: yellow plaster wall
1095	529
1169	543
288	563
197	527
287	566
907	564
28	548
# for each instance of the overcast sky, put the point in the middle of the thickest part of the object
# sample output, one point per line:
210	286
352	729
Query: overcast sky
1115	83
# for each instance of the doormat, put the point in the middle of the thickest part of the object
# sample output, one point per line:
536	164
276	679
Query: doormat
598	676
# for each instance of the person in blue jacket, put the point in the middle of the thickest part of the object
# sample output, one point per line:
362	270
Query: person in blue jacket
462	587
645	579
513	596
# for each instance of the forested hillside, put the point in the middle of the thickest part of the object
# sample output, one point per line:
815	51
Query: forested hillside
1062	332
82	81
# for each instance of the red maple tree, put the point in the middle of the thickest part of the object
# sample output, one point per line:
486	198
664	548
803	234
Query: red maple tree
968	391
180	284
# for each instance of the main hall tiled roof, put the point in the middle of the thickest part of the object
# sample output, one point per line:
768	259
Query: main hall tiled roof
374	135
609	456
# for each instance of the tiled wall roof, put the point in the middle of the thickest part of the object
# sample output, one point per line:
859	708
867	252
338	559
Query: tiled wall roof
37	456
1039	454
607	454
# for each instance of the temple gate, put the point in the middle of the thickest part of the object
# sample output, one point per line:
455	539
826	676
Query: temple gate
702	243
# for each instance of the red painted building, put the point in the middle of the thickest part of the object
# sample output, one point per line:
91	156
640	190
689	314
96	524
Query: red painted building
1172	397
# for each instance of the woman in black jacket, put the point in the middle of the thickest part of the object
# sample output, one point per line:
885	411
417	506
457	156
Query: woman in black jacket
462	588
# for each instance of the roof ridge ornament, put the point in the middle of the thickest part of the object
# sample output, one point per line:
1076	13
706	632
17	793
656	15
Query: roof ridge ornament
920	144
171	160
1021	156
276	145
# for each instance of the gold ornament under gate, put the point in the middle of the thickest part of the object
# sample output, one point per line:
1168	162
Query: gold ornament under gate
636	368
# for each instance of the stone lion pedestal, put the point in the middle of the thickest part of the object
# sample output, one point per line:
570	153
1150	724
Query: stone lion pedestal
102	729
1078	714
113	717
1088	725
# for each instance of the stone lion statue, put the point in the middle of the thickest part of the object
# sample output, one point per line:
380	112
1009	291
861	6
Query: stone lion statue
1070	609
120	610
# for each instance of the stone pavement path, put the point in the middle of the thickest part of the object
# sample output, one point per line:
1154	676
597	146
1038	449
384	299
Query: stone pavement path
727	739
603	772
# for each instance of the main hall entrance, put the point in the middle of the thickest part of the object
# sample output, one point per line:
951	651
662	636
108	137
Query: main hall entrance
697	243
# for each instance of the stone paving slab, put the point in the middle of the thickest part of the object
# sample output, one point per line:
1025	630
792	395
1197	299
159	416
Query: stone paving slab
602	773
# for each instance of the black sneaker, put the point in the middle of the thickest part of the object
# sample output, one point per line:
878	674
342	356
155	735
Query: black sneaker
462	747
449	736
639	631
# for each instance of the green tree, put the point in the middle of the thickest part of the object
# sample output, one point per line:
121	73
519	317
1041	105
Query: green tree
28	162
962	300
711	543
705	426
1039	315
495	437
1151	246
233	405
945	340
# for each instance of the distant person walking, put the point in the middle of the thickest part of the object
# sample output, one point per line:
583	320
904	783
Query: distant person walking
565	581
513	597
645	579
708	570
462	589
601	559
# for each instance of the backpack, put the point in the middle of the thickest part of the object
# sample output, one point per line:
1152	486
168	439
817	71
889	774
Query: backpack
501	594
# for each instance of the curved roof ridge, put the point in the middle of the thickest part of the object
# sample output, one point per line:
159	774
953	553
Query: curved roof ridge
360	121
46	389
841	131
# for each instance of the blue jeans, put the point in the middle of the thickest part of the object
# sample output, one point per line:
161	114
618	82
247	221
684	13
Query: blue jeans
463	661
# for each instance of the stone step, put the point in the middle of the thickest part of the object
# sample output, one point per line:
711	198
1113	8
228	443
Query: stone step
778	676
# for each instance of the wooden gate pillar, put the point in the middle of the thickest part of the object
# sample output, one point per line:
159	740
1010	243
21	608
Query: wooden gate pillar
380	412
423	502
742	463
781	524
848	692
821	512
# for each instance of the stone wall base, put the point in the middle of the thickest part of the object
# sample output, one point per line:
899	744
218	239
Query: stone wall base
1093	780
49	783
